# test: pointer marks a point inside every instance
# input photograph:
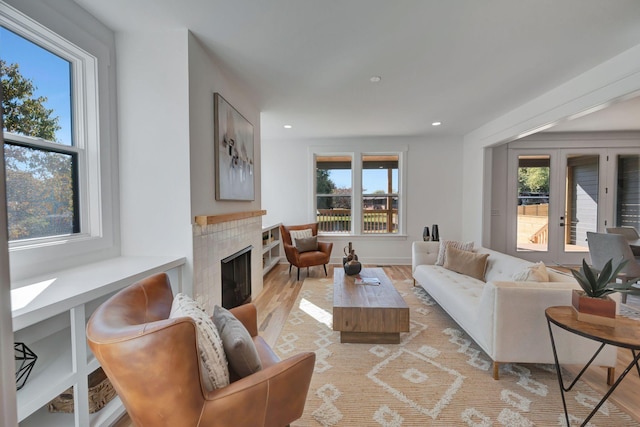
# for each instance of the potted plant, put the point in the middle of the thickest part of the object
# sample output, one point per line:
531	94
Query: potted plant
593	303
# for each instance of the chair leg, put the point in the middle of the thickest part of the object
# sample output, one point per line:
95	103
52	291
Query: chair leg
307	271
298	274
290	269
325	269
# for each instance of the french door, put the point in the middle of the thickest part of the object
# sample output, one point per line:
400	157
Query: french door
556	196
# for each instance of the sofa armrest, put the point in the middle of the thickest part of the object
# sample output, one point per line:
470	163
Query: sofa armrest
424	253
513	312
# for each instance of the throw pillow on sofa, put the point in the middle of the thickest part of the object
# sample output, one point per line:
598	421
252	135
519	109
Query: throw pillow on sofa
533	273
464	246
238	345
466	262
213	362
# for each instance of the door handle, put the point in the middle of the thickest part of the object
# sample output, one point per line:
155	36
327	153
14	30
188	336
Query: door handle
562	224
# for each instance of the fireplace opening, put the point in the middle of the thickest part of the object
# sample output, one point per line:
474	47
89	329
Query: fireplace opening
236	278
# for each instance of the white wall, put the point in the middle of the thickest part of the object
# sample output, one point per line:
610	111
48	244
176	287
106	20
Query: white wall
166	82
608	81
153	113
207	76
434	188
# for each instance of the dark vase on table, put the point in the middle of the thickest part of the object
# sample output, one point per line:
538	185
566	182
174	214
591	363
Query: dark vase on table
435	234
425	234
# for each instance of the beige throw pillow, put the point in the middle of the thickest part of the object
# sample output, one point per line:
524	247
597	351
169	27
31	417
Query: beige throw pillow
464	246
238	345
213	362
300	234
533	273
307	244
465	262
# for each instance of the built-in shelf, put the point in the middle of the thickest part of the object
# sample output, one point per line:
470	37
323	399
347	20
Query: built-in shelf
50	316
271	247
203	220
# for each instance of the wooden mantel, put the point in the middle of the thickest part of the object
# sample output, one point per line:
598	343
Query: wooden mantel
203	220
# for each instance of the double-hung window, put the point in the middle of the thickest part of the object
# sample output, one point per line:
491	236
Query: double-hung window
358	193
50	129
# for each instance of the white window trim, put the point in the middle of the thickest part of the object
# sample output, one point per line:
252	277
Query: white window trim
356	183
95	234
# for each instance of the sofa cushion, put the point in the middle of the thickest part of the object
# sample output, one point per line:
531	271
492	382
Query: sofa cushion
213	362
238	345
306	244
465	246
466	262
532	273
458	295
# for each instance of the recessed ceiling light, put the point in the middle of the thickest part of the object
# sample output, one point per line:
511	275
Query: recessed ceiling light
436	124
288	126
375	79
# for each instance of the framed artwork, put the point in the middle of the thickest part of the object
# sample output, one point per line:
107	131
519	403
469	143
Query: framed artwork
233	138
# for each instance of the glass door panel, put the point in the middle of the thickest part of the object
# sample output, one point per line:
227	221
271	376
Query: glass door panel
581	200
533	203
628	191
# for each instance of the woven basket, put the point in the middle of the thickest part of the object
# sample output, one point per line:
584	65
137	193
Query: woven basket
101	392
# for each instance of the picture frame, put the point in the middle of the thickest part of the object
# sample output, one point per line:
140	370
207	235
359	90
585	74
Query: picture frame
234	152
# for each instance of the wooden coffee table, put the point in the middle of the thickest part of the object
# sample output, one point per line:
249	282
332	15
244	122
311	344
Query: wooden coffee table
373	314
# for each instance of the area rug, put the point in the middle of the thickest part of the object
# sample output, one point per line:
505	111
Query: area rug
436	376
630	311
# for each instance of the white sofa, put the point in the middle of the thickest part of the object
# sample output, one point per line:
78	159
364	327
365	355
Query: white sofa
504	317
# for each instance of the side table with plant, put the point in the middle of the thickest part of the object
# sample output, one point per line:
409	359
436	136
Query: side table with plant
593	303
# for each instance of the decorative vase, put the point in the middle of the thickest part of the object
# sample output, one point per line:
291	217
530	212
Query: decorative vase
425	234
600	311
435	233
350	261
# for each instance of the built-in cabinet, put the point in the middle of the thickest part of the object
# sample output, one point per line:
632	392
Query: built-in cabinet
271	247
50	314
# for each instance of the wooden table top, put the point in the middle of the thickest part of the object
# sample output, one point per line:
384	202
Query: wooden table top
625	333
347	294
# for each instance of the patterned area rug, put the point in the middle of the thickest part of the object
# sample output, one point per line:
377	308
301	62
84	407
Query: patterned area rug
630	311
436	376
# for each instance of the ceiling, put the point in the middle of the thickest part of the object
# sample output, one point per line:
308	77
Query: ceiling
308	63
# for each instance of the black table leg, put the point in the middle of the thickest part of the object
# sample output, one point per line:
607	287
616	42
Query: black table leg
563	389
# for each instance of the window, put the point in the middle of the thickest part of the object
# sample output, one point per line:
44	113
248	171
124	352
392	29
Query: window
50	134
333	193
380	193
375	176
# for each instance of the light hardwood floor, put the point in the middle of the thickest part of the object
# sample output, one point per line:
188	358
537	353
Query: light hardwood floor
281	290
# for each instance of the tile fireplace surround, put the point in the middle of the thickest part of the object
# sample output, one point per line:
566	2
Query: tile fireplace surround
217	237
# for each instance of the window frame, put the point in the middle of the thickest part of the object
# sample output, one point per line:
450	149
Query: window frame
386	195
357	155
91	77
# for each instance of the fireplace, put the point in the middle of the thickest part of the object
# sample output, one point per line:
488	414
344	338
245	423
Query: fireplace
236	278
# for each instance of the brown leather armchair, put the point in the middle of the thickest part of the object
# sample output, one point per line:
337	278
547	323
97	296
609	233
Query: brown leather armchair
305	259
153	364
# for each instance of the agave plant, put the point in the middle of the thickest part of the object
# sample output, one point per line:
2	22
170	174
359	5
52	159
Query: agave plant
598	284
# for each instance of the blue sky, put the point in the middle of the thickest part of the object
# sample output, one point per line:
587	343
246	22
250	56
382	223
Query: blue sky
48	72
372	179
